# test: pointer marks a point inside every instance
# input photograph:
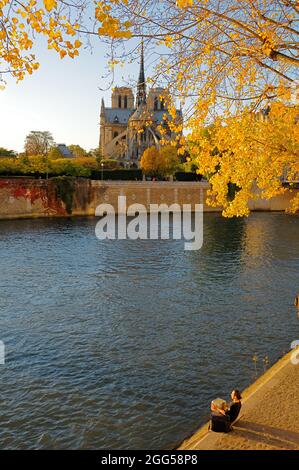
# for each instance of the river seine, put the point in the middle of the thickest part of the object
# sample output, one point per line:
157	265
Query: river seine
122	344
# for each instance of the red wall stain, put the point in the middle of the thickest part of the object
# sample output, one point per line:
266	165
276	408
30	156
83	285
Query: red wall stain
36	190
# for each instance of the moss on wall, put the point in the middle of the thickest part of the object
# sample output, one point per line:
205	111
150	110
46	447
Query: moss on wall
65	189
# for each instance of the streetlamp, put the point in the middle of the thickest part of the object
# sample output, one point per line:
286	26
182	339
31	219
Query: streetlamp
102	165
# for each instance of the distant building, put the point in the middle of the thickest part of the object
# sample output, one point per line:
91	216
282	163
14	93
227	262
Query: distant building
130	125
64	150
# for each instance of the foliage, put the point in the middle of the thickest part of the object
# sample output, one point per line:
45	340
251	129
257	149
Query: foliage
161	163
24	165
149	162
59	22
42	165
9	166
169	161
255	153
86	167
38	142
190	166
34	164
54	153
77	151
109	163
97	154
86	162
6	153
219	51
226	40
65	189
225	60
68	167
38	165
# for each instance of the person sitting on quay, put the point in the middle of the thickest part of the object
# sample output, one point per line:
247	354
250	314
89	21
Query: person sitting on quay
224	415
234	406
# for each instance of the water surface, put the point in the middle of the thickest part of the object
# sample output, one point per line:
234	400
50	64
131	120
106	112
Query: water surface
122	345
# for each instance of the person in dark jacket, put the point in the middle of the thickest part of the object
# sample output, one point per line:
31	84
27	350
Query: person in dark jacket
220	421
235	406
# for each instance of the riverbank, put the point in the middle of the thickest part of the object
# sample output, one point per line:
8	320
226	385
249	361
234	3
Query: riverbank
32	198
269	418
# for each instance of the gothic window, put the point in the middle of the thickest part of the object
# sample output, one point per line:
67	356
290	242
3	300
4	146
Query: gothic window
119	101
156	103
126	102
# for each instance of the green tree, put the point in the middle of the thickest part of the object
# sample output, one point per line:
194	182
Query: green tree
38	142
97	154
34	164
109	163
7	153
68	167
168	162
161	163
77	151
9	166
55	153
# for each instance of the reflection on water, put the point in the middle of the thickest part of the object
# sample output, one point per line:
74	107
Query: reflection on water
122	344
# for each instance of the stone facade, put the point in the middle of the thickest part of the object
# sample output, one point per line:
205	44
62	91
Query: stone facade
131	124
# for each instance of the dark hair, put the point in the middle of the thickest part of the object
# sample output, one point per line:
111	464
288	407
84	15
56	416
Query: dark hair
237	393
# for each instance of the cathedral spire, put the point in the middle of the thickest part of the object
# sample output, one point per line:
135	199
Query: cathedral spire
141	86
102	107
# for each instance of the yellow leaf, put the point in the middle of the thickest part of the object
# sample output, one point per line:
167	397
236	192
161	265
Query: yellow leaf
50	4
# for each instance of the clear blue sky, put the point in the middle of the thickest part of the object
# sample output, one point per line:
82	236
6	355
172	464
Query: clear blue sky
62	97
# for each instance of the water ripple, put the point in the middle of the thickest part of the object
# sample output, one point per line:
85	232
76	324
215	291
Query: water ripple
123	344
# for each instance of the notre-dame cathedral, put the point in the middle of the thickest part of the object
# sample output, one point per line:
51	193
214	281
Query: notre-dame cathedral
132	125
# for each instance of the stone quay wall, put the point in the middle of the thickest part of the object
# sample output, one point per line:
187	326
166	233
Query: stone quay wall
30	198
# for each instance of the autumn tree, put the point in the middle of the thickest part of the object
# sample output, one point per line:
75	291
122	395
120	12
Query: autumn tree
226	61
22	22
61	23
220	53
254	153
169	160
97	154
149	162
38	142
162	162
77	151
214	55
55	153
